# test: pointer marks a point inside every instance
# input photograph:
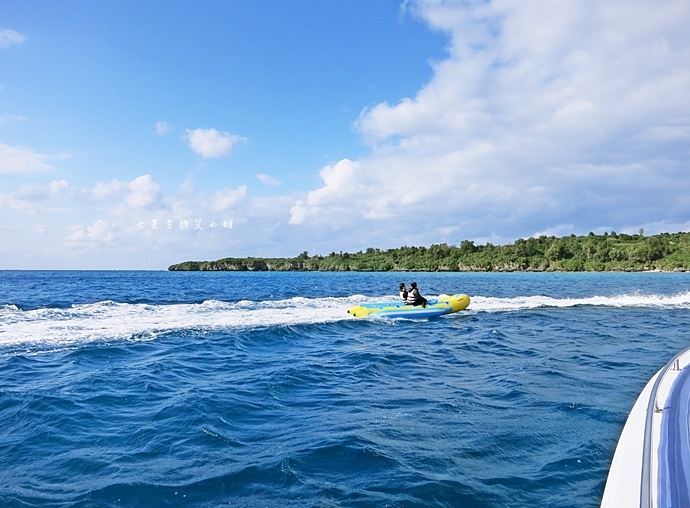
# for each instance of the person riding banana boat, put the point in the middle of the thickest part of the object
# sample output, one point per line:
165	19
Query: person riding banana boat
412	297
412	305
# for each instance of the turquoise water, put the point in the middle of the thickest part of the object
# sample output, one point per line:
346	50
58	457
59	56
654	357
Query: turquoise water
258	389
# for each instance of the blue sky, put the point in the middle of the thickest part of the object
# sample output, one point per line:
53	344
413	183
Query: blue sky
326	126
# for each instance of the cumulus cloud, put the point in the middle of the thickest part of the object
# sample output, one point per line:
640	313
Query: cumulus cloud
211	143
101	232
268	180
125	200
35	197
32	192
9	37
19	159
162	128
542	114
136	221
106	191
340	184
225	198
144	193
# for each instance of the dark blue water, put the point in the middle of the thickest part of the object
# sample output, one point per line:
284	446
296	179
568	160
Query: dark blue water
258	389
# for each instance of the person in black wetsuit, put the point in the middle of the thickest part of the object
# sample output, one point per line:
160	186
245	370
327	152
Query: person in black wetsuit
414	298
403	292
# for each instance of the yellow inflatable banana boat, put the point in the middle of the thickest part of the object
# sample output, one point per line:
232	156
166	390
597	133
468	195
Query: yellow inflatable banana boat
435	307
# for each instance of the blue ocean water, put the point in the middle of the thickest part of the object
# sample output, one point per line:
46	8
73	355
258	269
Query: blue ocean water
258	389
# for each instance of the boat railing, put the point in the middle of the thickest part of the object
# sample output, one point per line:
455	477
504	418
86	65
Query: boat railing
646	500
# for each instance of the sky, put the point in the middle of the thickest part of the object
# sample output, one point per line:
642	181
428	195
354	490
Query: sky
135	135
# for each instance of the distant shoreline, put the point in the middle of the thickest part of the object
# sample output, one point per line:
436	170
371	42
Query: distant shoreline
592	253
300	270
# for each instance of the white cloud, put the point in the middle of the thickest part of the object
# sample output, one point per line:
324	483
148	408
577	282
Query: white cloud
162	128
144	193
35	197
124	200
7	119
125	234
58	188
543	114
211	143
559	230
224	199
32	192
340	185
106	191
9	37
655	228
101	232
19	159
268	180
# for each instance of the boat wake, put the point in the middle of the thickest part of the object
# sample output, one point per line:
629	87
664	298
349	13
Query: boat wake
490	304
108	320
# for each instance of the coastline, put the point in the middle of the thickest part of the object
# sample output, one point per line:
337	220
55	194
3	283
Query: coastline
592	253
440	270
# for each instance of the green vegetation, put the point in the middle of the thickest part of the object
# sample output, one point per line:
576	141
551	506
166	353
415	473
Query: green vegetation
607	252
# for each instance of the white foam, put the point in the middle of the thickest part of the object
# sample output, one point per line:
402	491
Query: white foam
109	320
490	304
112	320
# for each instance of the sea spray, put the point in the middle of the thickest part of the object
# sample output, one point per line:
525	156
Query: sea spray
124	321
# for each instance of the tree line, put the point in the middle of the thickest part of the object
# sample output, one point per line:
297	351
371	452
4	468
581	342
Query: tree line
607	252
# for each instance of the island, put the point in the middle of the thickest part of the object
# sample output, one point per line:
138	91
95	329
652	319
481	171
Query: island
607	252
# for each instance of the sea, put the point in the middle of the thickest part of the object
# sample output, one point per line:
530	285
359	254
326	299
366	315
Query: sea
258	389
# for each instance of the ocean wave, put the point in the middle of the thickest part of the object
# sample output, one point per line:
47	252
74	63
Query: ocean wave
112	320
109	320
492	304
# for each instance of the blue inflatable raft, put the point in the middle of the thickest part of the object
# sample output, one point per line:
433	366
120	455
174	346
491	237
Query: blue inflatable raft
435	307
